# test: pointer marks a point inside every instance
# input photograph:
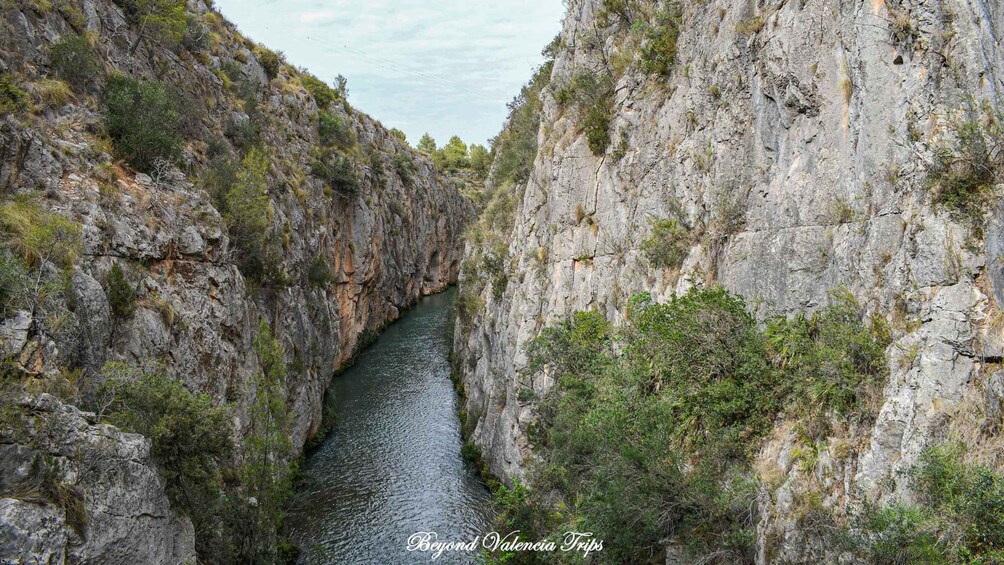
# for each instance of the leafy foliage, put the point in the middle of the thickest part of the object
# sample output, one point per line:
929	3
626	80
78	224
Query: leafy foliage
12	98
835	361
335	132
592	94
121	294
143	121
958	518
651	428
338	173
163	20
323	94
190	435
266	477
74	59
658	50
426	145
514	149
667	246
967	167
248	213
271	61
37	253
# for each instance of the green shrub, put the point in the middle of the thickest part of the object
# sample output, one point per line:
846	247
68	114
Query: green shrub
143	121
270	61
244	134
38	251
405	169
399	134
74	59
668	245
470	452
121	294
515	148
335	132
12	98
651	428
319	273
196	38
337	172
658	50
966	168
836	361
958	517
161	20
323	94
248	213
191	437
592	94
265	474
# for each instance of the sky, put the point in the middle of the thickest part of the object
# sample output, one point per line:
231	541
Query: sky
446	67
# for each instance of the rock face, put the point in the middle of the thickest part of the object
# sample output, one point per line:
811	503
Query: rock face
124	516
347	264
796	153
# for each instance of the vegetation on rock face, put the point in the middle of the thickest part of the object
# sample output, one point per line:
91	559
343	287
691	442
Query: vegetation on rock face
159	20
235	495
668	245
121	294
958	516
12	98
37	252
338	173
650	430
323	94
969	165
592	95
190	435
248	213
658	49
74	59
143	121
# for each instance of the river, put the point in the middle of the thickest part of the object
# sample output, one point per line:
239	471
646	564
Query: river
391	466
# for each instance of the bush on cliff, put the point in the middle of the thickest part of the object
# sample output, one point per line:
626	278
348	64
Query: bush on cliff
143	121
650	430
958	516
74	59
191	436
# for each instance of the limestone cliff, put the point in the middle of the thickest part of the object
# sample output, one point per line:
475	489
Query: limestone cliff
345	264
793	140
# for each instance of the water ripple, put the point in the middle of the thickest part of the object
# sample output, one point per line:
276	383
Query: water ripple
391	467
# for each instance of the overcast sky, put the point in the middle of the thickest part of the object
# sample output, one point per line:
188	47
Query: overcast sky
443	66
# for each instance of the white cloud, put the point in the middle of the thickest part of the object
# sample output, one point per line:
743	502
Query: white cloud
317	16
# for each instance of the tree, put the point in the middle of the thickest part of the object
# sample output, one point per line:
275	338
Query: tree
342	86
161	20
248	210
143	121
399	134
266	476
481	161
121	294
427	145
455	154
